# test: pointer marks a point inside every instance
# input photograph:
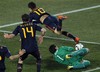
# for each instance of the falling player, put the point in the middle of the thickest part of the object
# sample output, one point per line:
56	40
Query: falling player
52	23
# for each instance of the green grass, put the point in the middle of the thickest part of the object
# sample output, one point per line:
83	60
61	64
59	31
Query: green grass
84	24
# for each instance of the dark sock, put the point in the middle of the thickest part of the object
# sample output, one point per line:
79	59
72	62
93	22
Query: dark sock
19	67
38	66
68	35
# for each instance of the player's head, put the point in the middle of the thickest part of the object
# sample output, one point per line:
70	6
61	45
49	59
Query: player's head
52	48
25	18
31	5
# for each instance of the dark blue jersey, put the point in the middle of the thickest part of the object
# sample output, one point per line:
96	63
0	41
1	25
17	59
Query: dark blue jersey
36	14
4	52
50	22
28	36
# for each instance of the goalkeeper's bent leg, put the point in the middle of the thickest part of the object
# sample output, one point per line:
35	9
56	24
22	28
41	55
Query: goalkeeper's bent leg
86	63
81	52
83	64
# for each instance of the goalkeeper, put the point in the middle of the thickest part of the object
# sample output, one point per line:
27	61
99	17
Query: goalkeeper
69	56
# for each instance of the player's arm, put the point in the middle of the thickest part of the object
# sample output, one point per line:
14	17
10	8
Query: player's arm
8	54
8	36
43	31
21	52
40	39
68	48
15	32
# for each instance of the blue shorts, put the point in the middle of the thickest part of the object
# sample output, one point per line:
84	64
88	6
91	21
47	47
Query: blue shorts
36	54
52	23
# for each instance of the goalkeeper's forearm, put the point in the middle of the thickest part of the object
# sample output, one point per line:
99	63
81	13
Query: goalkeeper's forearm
14	57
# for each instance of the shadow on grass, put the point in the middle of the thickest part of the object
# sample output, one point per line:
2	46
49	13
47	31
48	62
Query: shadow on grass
30	60
50	64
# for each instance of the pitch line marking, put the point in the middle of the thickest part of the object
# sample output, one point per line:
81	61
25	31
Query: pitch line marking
55	38
69	12
91	70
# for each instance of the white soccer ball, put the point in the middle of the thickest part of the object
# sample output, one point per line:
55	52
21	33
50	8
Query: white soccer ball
78	46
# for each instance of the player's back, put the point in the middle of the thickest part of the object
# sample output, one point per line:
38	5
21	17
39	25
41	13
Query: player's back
28	36
60	54
37	14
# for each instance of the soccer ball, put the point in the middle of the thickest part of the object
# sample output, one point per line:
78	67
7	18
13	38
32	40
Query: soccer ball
78	46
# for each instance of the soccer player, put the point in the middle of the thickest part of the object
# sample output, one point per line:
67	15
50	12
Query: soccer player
27	33
4	52
69	56
52	23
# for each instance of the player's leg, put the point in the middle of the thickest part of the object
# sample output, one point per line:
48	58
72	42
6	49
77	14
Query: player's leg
36	54
51	25
19	65
2	70
20	62
60	18
65	33
81	52
86	62
78	65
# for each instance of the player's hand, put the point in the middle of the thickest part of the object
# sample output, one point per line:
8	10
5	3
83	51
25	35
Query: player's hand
6	35
40	39
21	52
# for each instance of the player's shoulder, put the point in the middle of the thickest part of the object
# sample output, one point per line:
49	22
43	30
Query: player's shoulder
18	26
22	25
37	9
31	13
66	47
41	8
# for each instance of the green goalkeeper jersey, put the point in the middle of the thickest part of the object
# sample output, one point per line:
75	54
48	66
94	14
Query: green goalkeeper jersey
60	55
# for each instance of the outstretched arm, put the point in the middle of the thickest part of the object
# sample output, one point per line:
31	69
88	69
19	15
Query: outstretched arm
40	39
8	36
14	33
78	65
21	52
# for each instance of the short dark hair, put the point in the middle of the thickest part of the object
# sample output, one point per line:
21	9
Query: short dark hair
31	5
52	48
25	17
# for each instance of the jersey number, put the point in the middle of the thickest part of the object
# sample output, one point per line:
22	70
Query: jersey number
40	11
28	30
0	58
